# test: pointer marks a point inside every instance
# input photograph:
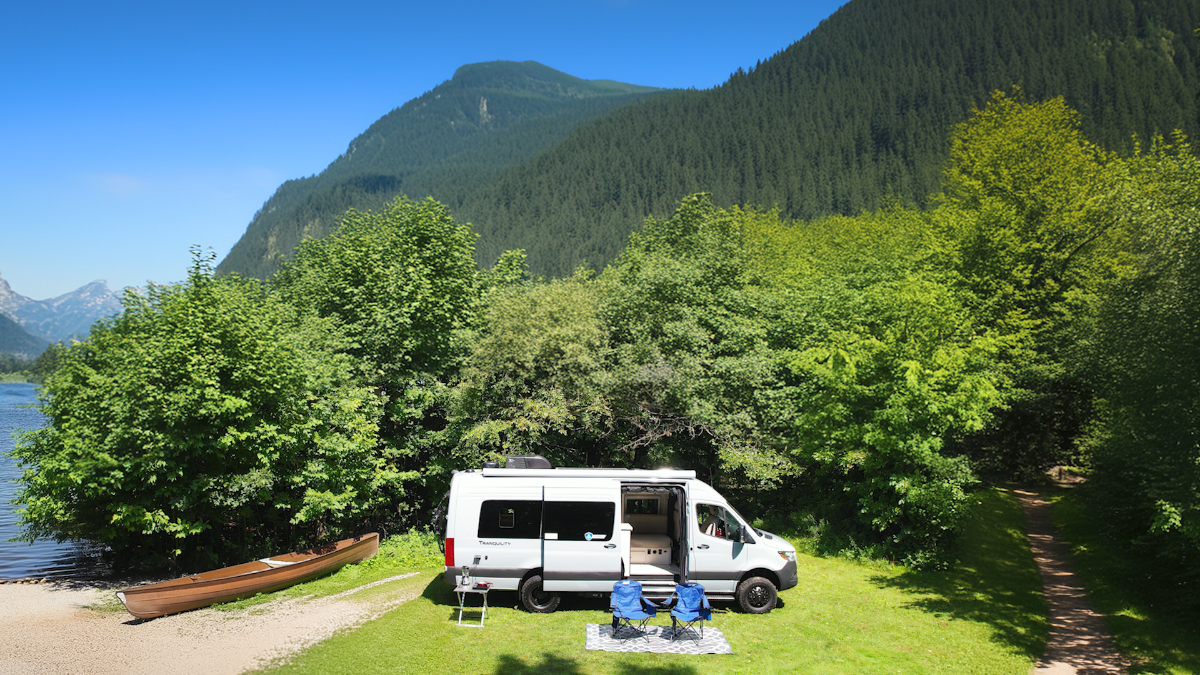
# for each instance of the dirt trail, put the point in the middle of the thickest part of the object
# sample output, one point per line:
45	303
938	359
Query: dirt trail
1079	641
48	628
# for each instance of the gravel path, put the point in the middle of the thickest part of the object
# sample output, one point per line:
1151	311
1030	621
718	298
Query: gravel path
1079	641
48	628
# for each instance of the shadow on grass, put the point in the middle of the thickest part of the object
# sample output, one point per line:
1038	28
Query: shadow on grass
442	594
550	663
439	592
995	581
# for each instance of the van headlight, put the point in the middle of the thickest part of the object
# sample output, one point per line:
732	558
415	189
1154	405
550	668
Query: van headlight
788	555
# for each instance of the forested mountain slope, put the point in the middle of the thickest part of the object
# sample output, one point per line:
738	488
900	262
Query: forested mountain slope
858	109
18	342
448	142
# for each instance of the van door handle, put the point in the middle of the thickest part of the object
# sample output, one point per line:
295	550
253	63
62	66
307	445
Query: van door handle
610	546
702	546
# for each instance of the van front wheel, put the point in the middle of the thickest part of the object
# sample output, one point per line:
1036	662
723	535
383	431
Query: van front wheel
756	595
535	599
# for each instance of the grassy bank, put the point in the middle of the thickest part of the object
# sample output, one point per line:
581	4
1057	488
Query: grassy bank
1143	612
845	617
397	555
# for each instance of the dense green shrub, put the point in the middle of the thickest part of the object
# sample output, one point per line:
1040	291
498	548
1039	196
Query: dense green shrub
204	422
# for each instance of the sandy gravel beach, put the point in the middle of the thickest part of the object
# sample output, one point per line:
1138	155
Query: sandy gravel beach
56	627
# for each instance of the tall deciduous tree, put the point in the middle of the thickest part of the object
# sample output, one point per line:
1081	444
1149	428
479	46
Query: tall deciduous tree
1033	209
536	379
1147	350
398	285
205	422
881	366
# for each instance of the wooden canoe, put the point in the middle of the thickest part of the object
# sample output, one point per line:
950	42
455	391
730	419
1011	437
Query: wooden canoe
245	580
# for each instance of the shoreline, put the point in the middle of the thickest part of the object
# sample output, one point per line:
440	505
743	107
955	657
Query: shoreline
94	635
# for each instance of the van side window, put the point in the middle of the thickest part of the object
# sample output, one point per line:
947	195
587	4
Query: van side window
510	519
573	521
715	521
642	505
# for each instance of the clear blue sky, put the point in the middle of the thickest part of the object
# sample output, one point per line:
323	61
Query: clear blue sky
130	131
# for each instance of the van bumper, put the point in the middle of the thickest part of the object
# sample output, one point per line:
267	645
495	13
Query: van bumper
787	576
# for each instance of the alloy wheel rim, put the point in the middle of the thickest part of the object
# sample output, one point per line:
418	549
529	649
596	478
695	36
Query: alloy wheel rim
758	596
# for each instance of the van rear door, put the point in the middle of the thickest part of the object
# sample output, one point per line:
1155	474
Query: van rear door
580	549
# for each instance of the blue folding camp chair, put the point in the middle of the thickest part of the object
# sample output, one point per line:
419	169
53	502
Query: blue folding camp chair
629	606
691	605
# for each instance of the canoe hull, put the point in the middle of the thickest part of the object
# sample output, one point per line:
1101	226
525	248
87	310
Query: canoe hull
242	581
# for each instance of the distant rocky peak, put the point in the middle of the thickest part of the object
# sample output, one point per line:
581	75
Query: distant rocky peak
64	317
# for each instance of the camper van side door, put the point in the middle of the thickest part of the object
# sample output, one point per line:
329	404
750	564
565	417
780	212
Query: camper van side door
580	549
717	557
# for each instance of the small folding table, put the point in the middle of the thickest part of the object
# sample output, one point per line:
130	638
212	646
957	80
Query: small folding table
462	590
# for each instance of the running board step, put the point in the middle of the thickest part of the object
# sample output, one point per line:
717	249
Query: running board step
661	588
663	594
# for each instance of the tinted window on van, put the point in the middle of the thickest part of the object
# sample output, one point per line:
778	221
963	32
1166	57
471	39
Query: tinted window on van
510	519
641	505
572	521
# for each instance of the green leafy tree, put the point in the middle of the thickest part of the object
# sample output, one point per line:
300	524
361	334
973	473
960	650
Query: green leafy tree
882	367
689	333
819	367
47	362
205	423
1035	214
1147	352
1039	197
536	379
397	282
399	285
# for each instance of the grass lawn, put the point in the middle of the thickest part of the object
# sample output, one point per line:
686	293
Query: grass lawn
1142	610
986	616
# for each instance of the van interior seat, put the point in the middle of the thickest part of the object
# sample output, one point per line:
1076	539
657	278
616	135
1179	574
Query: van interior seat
649	543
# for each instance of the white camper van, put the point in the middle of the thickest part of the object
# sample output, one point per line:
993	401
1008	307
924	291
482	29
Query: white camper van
541	531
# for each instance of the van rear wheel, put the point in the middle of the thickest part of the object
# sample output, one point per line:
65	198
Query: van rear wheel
756	595
535	599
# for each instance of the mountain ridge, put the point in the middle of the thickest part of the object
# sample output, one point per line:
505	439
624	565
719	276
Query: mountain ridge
446	142
856	112
60	318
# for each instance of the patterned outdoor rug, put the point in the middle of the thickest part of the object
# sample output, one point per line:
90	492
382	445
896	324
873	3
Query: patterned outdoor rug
658	639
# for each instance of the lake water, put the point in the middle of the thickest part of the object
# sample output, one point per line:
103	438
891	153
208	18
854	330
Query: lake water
18	559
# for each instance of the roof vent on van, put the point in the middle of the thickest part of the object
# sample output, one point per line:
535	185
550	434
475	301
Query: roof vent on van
527	462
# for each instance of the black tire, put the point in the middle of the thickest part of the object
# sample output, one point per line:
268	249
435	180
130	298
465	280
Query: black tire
535	599
756	595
